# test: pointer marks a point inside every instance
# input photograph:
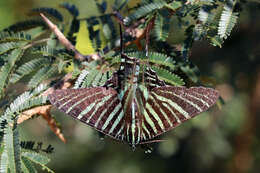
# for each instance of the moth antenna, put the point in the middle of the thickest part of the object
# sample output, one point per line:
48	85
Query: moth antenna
147	35
153	141
147	39
122	60
121	38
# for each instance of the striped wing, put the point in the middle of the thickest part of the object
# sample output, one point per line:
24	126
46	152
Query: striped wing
168	107
152	80
98	107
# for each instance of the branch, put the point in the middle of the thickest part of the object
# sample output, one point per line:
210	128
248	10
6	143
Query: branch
63	40
44	111
33	43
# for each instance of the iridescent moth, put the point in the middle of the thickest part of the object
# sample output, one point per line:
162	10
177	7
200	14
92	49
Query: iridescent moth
134	105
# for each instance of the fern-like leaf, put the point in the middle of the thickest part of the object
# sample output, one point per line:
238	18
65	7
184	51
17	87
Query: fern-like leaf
6	47
16	146
41	75
144	10
30	145
4	73
93	79
217	41
168	77
4	160
205	15
81	79
71	8
25	101
11	139
27	166
38	159
162	25
228	20
14	37
7	68
36	101
48	11
46	50
16	104
160	59
39	89
25	25
28	68
3	125
15	56
98	79
153	58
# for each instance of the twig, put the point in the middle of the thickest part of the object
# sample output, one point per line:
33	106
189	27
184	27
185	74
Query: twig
63	40
53	125
33	43
44	111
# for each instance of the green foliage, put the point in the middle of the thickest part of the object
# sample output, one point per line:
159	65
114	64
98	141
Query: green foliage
30	145
42	74
72	9
162	25
6	47
168	76
190	70
144	10
12	154
11	145
48	11
93	76
25	101
6	70
25	25
30	55
14	37
28	166
153	58
28	68
206	16
36	158
119	4
228	19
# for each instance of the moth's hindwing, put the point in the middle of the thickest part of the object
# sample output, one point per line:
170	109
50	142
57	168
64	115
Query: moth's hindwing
98	107
168	107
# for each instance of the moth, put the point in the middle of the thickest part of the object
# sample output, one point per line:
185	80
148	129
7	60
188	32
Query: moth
134	105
